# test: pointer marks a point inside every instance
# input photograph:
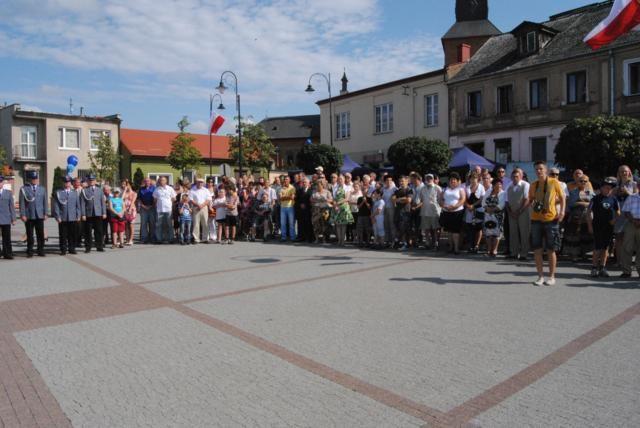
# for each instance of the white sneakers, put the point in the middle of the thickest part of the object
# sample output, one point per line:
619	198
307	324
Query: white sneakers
541	281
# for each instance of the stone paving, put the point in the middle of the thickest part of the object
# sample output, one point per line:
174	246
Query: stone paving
254	335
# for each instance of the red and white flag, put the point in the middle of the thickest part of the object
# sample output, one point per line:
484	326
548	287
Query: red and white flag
215	122
624	17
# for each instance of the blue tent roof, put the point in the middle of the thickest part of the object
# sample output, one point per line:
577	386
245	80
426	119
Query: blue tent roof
348	164
464	157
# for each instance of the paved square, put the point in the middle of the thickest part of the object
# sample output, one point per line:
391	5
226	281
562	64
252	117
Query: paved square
282	335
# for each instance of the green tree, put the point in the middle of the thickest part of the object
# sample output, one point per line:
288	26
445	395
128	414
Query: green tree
314	155
3	158
138	178
105	161
257	149
599	145
58	179
419	154
184	155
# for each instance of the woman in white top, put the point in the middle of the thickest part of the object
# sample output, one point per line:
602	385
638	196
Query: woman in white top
473	213
452	201
493	204
353	197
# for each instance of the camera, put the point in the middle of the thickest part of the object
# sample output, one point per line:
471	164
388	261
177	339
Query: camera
538	206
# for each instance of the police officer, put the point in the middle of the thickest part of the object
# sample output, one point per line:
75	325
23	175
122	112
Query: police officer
94	211
66	210
33	211
7	219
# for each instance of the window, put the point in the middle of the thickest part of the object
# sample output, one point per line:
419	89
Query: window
477	148
28	142
474	104
189	175
96	135
539	149
431	110
577	87
505	99
384	118
632	77
69	138
538	94
156	175
503	150
343	125
531	41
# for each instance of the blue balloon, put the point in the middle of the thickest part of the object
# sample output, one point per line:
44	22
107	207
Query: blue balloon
72	160
309	142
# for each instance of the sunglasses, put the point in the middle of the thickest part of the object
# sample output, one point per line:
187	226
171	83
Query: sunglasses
583	181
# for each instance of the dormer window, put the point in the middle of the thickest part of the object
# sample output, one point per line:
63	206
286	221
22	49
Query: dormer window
531	41
532	37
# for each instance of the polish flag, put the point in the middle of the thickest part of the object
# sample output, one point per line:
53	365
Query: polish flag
624	17
215	123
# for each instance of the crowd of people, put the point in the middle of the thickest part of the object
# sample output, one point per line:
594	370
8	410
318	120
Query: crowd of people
474	213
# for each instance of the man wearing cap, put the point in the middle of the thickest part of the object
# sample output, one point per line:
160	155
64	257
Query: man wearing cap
33	211
7	219
200	199
93	208
66	210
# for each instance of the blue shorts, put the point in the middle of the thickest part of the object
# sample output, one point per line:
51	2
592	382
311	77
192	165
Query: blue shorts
545	235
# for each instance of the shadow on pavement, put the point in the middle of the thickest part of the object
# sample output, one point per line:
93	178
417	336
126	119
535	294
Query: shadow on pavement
442	281
616	285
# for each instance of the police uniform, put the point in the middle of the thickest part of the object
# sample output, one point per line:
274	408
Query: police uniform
93	208
66	210
7	219
33	210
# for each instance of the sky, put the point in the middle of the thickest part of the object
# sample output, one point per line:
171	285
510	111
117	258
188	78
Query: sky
155	61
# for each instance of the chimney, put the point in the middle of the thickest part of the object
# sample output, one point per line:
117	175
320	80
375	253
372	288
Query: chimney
344	79
464	52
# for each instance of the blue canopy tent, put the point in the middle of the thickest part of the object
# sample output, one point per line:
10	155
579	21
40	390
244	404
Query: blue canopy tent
348	164
465	158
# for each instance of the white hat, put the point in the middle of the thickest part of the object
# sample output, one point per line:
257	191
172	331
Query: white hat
319	168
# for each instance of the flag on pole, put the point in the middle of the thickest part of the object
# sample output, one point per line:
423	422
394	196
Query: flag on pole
215	123
624	17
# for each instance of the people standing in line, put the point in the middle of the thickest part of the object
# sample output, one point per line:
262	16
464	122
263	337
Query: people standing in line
577	174
287	198
67	212
547	199
389	189
78	185
519	215
474	212
200	199
33	203
7	219
452	202
401	200
625	188
577	237
164	196
342	216
500	173
430	210
231	223
275	215
378	213
364	228
321	202
93	207
106	223
185	211
601	218
211	212
147	212
353	197
118	223
175	216
631	243
493	226
220	206
303	207
129	197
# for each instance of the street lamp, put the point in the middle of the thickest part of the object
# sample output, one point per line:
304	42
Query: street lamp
221	88
212	97
310	90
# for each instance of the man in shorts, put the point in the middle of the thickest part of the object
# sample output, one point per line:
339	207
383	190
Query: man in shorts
547	199
603	212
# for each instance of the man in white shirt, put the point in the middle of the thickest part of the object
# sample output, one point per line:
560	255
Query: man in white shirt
200	199
430	210
164	196
519	215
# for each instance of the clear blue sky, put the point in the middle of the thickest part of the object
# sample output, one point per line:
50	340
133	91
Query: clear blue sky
154	61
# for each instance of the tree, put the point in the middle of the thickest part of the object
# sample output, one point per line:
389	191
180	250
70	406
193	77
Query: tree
419	154
3	158
257	149
58	179
105	161
138	178
314	155
599	145
184	155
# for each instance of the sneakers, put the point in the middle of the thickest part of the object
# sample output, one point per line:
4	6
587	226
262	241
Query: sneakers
604	273
595	272
538	282
550	281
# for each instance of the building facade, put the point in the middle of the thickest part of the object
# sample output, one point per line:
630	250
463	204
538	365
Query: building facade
511	101
289	134
147	151
43	141
366	122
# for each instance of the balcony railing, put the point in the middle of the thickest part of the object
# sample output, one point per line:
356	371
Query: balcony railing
25	152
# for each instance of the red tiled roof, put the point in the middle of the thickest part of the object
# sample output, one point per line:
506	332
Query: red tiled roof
158	143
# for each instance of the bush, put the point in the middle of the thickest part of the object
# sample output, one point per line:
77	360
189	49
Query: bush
314	155
419	154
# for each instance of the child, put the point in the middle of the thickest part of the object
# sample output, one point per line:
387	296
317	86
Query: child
184	211
603	212
220	205
116	208
263	214
232	215
377	218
